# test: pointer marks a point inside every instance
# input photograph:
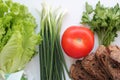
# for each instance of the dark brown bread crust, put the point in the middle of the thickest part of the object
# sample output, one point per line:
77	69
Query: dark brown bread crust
102	56
114	62
91	65
78	73
103	65
110	65
114	53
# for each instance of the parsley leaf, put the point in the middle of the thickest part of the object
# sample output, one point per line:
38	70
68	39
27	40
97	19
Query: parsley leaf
105	21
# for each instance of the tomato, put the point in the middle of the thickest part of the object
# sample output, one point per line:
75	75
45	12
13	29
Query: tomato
77	41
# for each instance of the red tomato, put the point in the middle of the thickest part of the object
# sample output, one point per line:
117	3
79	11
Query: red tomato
77	41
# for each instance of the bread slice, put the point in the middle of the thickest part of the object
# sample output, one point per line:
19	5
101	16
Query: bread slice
103	65
114	62
91	65
78	73
111	66
114	52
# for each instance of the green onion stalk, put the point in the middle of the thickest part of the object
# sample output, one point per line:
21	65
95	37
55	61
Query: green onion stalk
52	62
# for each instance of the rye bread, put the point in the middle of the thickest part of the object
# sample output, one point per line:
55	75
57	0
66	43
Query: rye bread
110	65
114	62
78	73
102	56
114	52
103	65
91	65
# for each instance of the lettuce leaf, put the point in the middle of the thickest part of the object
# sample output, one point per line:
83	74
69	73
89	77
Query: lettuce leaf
18	39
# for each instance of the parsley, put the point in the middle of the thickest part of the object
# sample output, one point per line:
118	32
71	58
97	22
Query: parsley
105	21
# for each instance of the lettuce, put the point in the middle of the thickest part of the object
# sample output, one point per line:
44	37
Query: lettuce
18	39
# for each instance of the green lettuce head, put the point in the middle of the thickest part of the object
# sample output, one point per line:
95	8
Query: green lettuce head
18	39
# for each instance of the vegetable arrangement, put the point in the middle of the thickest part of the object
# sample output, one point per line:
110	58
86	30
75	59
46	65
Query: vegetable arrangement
104	64
52	63
77	41
105	21
17	36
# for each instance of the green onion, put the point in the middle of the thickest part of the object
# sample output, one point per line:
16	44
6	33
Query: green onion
52	62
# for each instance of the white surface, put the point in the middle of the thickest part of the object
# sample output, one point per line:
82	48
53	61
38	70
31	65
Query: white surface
73	17
16	76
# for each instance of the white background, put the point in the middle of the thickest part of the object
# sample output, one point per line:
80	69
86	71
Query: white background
73	17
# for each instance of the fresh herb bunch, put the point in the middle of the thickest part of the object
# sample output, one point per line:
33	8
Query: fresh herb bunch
52	63
104	21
